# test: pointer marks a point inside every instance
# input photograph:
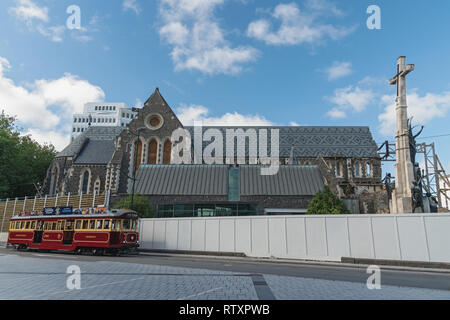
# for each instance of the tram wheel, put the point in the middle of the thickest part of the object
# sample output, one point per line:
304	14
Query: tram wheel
22	247
97	252
114	252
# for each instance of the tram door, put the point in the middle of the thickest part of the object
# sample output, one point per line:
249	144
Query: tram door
68	232
38	232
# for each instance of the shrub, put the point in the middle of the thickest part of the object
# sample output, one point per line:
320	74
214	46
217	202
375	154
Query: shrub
140	205
325	202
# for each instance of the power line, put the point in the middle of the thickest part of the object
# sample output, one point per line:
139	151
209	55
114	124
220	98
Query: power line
437	136
418	138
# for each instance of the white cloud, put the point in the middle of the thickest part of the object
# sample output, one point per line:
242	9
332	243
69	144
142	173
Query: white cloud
82	38
324	6
422	108
4	65
132	5
55	33
349	99
197	39
190	113
138	103
175	33
46	105
296	26
28	11
337	113
338	70
60	139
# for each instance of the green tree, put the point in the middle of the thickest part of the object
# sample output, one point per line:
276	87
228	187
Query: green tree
325	202
23	161
140	204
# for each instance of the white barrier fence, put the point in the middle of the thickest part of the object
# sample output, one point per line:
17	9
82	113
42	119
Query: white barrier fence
412	237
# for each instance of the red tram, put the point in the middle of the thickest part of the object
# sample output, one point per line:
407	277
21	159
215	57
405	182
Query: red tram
112	232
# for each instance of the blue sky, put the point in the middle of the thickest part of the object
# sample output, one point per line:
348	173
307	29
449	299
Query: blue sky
309	62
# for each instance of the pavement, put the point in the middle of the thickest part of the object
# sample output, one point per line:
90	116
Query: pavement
45	276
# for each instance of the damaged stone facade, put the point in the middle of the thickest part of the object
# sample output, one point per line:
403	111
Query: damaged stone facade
102	158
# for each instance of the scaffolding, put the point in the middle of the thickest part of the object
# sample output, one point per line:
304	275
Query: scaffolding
435	180
444	184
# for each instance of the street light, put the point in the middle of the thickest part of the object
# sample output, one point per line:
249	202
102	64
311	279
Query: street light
135	161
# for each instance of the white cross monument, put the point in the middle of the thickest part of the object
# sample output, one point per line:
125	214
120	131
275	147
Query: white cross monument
401	201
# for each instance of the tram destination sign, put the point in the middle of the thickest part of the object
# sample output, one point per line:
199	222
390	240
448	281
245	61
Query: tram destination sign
51	211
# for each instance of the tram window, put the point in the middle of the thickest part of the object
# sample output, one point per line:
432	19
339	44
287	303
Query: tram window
85	224
113	224
99	224
69	225
58	227
27	225
133	224
11	225
106	224
116	224
78	224
17	225
54	226
126	224
22	224
92	224
33	225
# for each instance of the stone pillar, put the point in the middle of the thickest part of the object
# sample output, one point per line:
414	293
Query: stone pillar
404	173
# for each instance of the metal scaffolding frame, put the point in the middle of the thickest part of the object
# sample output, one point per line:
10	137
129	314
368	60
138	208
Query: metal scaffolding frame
430	176
434	178
444	184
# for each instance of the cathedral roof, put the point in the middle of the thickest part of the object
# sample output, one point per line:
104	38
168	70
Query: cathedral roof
96	152
310	142
97	143
156	98
295	180
94	145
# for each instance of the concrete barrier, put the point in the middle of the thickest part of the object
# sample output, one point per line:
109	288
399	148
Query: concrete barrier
3	238
408	237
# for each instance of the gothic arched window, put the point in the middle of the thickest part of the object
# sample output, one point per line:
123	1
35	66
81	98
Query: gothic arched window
357	170
167	151
85	182
152	151
338	168
368	172
97	186
54	181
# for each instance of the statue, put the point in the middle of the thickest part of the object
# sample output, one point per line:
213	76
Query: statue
417	190
412	141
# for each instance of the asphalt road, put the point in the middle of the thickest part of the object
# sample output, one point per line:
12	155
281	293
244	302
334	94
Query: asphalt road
403	277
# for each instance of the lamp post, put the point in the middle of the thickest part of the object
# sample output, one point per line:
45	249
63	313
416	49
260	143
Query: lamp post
138	134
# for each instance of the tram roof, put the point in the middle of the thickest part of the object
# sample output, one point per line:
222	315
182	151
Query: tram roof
109	214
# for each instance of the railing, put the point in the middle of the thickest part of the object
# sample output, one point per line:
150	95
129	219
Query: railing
11	207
